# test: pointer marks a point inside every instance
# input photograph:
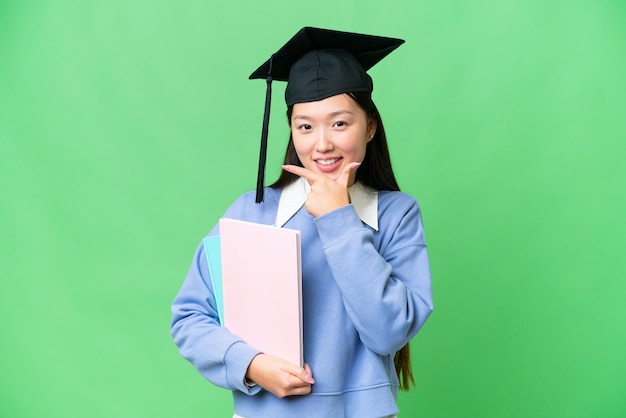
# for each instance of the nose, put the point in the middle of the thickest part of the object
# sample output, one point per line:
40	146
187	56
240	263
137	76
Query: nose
323	142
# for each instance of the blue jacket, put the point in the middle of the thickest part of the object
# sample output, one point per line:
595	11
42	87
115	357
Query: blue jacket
366	293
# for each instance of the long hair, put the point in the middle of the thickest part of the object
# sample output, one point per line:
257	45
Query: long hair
375	172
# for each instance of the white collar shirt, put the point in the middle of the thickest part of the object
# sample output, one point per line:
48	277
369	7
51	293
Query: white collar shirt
363	199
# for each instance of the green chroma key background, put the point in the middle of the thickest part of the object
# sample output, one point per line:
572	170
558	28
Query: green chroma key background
127	128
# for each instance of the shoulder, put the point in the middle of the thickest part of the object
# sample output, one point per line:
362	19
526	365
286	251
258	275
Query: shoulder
394	202
400	218
245	207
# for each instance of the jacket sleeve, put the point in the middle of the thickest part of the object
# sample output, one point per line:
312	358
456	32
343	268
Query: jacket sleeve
218	355
387	291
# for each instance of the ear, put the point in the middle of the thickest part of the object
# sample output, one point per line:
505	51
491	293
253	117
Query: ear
371	128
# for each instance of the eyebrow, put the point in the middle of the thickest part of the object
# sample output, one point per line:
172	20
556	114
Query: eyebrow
332	114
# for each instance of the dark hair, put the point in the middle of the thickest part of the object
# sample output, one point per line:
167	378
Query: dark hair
375	172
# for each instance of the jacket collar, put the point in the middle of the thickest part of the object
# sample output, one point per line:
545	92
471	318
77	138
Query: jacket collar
364	200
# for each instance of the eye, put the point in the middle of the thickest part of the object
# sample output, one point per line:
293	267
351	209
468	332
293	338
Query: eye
340	124
304	127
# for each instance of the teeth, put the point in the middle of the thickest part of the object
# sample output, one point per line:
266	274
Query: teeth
328	162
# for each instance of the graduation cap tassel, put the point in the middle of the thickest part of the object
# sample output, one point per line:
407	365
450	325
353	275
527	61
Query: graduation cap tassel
264	133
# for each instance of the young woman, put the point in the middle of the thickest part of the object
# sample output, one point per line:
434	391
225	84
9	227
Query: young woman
365	273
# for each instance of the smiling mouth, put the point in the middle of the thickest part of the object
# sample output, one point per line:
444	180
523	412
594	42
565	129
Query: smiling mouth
328	162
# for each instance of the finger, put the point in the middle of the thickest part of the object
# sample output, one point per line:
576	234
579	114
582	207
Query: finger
307	368
300	390
303	374
344	178
301	171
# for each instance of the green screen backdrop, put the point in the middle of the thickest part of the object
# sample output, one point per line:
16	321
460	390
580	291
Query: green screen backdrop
128	127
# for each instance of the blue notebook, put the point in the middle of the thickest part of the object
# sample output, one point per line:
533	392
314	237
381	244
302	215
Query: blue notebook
214	260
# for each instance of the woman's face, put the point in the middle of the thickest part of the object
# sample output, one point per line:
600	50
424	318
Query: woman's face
330	134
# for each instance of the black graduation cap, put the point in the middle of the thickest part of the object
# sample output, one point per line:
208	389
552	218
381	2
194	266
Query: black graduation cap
317	64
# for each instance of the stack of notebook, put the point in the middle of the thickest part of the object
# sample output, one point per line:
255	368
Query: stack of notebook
257	281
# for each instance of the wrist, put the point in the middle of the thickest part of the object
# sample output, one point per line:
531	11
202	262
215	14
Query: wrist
248	379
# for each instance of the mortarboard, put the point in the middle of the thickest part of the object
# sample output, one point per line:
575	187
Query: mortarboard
317	64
